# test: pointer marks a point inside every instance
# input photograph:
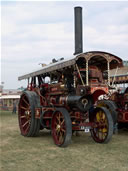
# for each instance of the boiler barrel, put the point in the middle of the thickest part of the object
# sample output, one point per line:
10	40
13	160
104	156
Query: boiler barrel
75	102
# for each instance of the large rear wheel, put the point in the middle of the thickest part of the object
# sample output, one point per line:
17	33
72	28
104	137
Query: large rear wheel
61	127
29	125
103	130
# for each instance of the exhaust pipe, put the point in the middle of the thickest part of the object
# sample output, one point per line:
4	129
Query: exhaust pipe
78	30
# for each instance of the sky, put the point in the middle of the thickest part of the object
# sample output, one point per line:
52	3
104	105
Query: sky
36	32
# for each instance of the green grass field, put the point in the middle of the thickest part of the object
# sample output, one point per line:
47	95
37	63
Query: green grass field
19	153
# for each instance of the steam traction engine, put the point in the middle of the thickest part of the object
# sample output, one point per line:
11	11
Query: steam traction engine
117	103
121	101
63	104
67	102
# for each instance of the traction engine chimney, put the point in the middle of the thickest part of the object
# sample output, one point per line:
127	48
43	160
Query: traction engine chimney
78	30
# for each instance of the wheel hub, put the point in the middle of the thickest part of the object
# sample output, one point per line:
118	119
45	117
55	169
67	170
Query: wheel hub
58	127
27	112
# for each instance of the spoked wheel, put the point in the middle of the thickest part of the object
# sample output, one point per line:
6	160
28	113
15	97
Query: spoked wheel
29	126
111	106
61	127
103	130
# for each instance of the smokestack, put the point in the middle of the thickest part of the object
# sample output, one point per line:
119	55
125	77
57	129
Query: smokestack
78	30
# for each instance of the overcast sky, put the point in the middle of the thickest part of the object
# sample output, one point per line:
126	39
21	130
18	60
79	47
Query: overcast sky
37	32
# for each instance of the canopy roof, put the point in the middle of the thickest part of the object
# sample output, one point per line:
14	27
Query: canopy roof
94	58
123	71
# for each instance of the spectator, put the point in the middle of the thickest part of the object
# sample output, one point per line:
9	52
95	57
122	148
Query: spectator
14	107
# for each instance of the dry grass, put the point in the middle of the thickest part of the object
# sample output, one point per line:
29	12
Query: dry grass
40	154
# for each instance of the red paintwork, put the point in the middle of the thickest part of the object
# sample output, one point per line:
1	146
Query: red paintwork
55	95
122	115
121	99
97	91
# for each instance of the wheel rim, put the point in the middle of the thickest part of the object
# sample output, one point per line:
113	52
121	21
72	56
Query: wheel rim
58	128
101	131
24	115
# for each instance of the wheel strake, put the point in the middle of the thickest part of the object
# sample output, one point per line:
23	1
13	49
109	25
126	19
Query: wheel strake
29	126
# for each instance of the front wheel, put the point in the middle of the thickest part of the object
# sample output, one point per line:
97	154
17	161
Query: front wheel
103	125
61	127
